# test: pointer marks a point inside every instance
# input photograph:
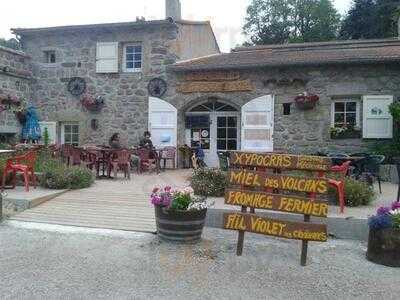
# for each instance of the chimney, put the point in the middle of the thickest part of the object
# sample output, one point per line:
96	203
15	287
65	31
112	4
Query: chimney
173	9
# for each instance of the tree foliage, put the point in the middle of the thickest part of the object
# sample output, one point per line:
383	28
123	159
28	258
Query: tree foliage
283	21
10	43
368	19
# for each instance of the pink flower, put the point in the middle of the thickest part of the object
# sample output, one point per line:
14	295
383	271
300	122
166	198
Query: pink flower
155	190
395	205
167	188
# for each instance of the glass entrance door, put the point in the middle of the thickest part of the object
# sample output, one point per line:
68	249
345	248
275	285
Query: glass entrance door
224	135
227	133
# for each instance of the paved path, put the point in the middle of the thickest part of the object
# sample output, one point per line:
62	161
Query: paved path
78	264
111	204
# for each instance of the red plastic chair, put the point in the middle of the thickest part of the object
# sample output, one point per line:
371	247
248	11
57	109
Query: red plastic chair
89	159
21	164
122	161
342	170
148	159
168	153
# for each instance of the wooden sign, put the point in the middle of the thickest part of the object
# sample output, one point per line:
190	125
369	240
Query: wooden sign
281	182
275	202
212	76
217	86
273	227
280	161
252	189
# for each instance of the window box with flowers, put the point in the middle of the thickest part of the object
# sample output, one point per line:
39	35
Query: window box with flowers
180	215
338	133
384	236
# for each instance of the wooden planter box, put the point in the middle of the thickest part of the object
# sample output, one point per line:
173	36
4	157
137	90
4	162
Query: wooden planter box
180	226
347	135
384	247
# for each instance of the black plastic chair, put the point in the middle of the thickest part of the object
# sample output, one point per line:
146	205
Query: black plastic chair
372	166
223	160
338	158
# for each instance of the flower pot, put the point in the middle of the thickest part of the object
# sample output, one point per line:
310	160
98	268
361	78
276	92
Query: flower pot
384	247
306	105
180	226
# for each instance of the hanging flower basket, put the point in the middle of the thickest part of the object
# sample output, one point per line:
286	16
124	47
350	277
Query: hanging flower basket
306	101
93	104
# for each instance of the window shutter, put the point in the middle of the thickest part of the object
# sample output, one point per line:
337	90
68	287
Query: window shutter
377	121
107	57
51	129
257	124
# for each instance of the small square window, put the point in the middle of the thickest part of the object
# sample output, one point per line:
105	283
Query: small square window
345	113
50	57
132	58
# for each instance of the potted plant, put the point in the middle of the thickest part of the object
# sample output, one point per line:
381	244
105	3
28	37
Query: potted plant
93	103
345	132
384	236
180	215
306	101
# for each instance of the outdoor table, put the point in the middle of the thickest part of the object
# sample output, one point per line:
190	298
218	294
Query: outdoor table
106	154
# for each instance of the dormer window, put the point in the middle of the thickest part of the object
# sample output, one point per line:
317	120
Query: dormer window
50	57
132	58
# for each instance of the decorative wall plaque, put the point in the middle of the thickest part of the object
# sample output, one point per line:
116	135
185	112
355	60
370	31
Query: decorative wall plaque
157	87
77	86
220	86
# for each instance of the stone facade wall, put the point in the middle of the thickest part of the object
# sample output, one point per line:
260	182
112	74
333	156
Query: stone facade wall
15	81
125	94
302	131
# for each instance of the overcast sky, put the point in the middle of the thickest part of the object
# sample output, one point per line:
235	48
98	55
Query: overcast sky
226	15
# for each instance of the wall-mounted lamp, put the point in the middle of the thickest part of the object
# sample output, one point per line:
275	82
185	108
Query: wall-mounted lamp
94	123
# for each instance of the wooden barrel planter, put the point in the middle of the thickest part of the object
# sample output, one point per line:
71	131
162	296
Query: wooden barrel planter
384	247
180	226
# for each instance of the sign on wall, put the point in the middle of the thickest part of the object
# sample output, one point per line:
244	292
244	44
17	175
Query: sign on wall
214	81
263	187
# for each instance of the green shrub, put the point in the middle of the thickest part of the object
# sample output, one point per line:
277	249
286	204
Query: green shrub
208	182
357	193
59	176
80	178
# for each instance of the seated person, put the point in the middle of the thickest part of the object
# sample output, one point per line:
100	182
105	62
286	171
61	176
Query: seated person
146	142
114	141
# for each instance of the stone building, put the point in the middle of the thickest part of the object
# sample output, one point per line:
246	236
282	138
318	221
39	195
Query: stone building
169	77
246	99
15	81
112	62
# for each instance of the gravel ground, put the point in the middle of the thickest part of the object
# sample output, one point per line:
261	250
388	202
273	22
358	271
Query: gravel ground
52	262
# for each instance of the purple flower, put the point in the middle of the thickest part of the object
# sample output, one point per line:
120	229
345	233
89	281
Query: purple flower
380	222
383	210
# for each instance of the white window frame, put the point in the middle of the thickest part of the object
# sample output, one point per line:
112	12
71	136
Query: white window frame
124	61
358	110
63	131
